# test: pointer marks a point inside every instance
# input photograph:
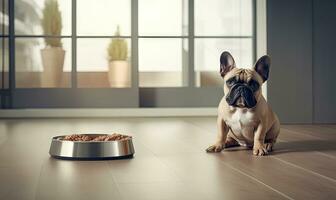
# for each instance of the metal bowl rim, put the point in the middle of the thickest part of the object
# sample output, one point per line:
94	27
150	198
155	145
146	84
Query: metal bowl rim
55	138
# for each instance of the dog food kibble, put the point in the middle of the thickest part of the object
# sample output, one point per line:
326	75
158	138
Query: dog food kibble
112	137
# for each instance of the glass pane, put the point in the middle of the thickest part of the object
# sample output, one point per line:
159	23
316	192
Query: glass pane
101	66
102	17
162	17
162	62
4	17
38	66
223	18
4	75
207	53
30	18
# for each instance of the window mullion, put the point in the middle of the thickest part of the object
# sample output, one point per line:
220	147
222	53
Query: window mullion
134	44
190	74
74	44
11	51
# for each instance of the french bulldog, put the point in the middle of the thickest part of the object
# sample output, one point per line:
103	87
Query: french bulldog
244	117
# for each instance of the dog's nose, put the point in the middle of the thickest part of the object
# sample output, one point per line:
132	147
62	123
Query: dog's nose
240	102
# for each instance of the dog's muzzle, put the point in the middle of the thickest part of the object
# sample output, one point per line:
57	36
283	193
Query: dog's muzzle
240	90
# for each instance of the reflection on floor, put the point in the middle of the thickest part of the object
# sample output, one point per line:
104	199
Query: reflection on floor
170	163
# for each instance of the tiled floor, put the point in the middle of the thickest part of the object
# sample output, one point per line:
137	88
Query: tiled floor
170	163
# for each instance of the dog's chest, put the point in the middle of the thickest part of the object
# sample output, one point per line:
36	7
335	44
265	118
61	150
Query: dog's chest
242	124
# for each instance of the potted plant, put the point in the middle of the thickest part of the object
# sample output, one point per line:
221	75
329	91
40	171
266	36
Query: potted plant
119	69
53	53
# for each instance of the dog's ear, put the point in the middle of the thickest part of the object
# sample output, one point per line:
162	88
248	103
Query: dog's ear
226	63
262	67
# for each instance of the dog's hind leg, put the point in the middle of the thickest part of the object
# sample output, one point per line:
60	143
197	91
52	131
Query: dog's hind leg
230	141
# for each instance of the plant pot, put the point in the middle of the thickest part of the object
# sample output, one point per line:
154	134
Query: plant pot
53	61
119	74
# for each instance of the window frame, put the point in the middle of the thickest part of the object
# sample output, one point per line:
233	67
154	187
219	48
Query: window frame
189	95
4	37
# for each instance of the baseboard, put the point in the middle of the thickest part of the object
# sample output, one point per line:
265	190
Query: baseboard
109	112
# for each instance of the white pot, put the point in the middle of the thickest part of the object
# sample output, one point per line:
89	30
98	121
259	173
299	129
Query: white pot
53	61
119	74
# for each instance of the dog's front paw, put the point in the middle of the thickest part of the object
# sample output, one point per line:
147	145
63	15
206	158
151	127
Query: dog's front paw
260	150
216	148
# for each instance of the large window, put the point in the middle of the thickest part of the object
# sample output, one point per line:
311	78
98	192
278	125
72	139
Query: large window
145	45
100	25
163	42
43	43
221	25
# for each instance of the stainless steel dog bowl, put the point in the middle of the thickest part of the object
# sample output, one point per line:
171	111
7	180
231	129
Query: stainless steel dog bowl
91	149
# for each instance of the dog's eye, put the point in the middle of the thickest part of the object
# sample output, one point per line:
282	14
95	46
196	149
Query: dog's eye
231	82
254	85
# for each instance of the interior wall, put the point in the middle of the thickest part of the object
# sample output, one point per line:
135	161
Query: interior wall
289	43
301	43
324	61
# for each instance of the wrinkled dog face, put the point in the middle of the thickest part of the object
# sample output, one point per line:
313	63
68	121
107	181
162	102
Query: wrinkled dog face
242	87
